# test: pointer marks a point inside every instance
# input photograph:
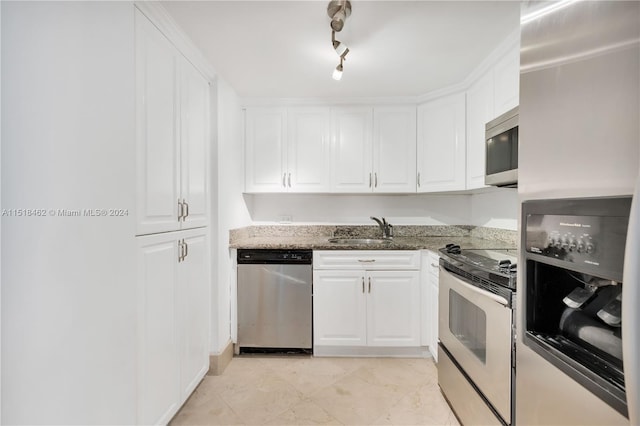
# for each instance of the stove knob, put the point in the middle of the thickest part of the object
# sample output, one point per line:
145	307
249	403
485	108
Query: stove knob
590	248
504	263
513	267
453	248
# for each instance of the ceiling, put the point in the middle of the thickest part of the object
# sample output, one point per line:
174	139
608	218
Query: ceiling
397	48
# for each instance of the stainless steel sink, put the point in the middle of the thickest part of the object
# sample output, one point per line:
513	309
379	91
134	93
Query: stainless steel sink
359	241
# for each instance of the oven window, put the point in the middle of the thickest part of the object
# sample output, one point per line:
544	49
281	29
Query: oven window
468	323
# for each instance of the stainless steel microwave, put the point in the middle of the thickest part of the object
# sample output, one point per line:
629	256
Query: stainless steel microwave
501	148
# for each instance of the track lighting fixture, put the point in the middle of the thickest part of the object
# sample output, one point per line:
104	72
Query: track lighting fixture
338	11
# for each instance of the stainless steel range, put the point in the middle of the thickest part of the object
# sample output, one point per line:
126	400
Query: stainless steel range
476	357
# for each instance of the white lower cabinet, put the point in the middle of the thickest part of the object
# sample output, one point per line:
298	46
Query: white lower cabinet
433	274
172	299
339	308
393	308
357	305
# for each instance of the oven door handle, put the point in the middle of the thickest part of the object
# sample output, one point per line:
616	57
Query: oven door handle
498	299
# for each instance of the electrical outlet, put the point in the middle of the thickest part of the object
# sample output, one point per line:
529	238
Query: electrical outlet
286	218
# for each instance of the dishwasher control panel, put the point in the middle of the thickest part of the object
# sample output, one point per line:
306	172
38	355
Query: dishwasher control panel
259	256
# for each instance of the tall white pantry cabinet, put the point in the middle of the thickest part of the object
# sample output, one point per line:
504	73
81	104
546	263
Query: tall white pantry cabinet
104	318
172	137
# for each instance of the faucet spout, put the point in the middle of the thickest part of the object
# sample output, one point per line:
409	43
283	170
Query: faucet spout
385	227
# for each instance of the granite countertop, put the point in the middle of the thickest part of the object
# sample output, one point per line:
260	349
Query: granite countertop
407	237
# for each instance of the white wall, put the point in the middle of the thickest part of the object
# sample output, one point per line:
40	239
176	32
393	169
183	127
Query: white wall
496	208
356	209
232	210
68	283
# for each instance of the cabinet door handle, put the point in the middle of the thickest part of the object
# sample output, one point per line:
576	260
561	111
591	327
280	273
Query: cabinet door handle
284	181
376	179
369	180
289	180
186	209
179	251
186	249
369	284
418	179
362	285
180	210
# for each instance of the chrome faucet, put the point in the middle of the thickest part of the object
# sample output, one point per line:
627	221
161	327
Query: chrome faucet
386	227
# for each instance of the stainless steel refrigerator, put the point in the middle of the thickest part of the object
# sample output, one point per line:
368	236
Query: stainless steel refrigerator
579	137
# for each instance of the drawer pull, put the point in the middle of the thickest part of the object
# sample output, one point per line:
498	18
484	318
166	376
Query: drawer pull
366	260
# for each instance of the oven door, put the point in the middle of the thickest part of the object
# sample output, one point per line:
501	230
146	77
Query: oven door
474	325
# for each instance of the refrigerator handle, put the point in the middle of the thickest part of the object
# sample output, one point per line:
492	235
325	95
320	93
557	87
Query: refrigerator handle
630	311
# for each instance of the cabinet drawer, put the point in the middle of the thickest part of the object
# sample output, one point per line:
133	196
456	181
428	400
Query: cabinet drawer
367	259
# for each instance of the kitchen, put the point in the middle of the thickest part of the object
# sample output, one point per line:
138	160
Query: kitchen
70	303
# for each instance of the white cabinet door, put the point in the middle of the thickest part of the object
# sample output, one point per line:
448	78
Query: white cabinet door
194	142
441	144
173	321
479	112
265	154
156	130
351	149
394	149
393	308
339	308
308	149
172	135
158	353
506	76
433	276
193	291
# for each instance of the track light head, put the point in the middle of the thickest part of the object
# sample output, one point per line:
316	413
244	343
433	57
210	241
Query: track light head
340	48
337	73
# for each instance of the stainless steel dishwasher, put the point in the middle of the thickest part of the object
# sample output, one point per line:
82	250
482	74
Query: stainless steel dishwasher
274	300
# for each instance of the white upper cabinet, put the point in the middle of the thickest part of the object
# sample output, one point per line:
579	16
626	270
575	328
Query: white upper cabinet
441	144
496	92
287	150
506	76
479	112
308	150
341	150
266	156
394	149
351	150
156	118
172	122
194	153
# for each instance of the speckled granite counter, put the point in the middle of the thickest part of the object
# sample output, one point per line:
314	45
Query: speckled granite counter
406	237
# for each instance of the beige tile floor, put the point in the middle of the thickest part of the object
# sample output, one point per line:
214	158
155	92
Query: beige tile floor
271	390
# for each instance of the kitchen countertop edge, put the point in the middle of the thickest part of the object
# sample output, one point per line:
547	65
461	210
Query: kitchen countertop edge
399	243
